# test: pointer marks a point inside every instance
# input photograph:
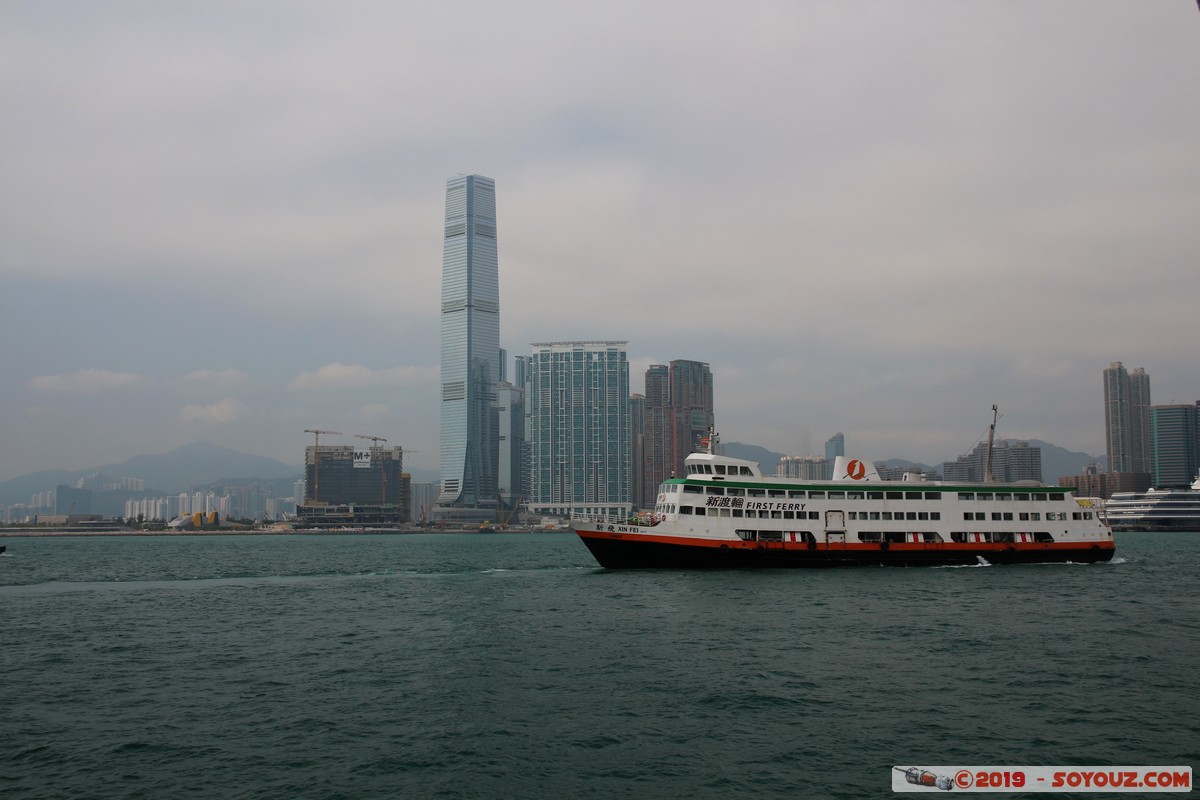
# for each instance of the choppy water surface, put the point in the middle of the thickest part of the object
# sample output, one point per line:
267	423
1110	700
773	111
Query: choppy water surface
498	666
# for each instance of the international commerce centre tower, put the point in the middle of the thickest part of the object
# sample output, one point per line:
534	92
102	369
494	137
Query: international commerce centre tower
470	338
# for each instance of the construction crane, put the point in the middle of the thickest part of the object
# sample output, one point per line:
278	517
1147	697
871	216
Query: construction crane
382	471
317	457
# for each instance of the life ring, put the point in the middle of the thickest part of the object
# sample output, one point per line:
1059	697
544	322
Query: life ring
855	470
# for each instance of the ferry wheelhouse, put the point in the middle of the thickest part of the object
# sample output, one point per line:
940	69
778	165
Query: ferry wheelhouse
726	513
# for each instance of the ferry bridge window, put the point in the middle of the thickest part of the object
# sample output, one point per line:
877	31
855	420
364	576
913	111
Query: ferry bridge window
966	496
816	495
996	516
745	471
874	495
875	515
737	512
854	495
777	493
933	495
1035	516
735	492
887	515
912	495
1020	496
685	509
794	495
984	496
715	490
837	495
814	515
789	514
720	468
895	495
910	515
935	515
923	515
755	493
1057	496
1024	516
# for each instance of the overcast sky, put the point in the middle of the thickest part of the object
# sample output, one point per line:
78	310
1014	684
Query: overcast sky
222	220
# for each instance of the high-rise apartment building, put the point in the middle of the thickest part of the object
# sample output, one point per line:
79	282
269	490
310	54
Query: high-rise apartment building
1011	461
1175	443
637	438
657	448
692	403
510	414
834	446
470	335
808	468
578	431
1127	418
678	414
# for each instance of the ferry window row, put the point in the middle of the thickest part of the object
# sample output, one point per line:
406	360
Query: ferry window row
718	469
762	513
1011	496
776	536
898	537
800	494
1000	537
1023	516
894	515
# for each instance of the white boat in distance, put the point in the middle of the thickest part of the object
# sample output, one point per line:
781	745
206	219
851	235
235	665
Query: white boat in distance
1155	510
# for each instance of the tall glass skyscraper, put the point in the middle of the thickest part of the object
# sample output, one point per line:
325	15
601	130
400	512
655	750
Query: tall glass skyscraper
470	344
577	411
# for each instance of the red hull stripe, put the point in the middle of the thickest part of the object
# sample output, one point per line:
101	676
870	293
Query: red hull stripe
1103	544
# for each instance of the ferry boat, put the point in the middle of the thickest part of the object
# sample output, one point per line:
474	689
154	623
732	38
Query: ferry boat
1155	510
725	513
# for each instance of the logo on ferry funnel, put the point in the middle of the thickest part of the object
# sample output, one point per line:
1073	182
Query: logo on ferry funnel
855	470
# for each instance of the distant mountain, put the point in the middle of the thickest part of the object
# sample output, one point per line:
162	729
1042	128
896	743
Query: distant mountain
200	463
193	464
767	460
1058	462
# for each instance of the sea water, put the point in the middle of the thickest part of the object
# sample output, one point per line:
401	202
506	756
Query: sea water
510	665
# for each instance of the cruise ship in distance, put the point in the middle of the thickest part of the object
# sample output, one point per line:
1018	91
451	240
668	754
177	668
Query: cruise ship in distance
1155	510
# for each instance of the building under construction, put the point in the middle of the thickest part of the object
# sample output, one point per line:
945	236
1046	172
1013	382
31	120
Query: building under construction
346	486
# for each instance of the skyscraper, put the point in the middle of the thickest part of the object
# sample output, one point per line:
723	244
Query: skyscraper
834	446
470	344
657	449
577	410
692	404
678	413
1127	418
1175	436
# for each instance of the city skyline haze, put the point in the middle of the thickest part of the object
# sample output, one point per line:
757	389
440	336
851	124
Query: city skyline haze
225	222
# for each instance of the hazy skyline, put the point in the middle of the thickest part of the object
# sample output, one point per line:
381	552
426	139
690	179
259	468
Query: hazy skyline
224	221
